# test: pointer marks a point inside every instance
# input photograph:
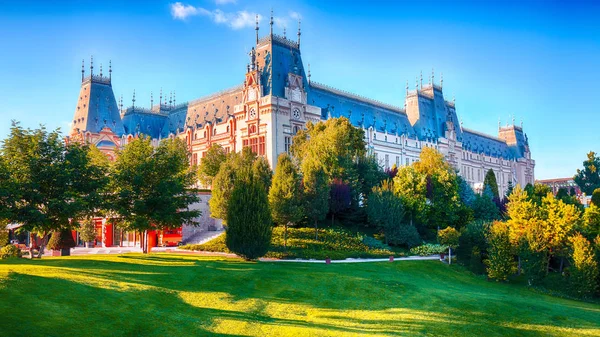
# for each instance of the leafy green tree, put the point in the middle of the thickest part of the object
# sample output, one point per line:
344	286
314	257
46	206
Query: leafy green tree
588	178
443	199
490	180
385	211
153	188
584	271
411	186
56	184
450	237
500	262
465	192
262	172
210	164
562	193
316	194
285	195
472	246
249	224
596	197
590	225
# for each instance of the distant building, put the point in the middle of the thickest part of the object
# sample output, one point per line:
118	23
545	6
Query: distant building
277	98
557	183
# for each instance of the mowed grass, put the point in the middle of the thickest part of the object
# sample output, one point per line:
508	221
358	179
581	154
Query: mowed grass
174	295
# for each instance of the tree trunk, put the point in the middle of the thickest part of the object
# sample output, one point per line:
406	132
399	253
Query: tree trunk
45	239
519	265
145	244
316	233
562	262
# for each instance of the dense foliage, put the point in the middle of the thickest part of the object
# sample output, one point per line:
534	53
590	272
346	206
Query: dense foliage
210	164
249	223
9	251
61	240
153	187
588	178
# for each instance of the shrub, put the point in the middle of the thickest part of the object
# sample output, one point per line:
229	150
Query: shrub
584	272
87	231
9	251
61	240
429	249
405	235
249	224
4	238
373	243
596	197
449	237
500	262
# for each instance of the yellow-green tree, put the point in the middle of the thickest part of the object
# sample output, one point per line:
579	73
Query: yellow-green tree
500	262
584	270
449	237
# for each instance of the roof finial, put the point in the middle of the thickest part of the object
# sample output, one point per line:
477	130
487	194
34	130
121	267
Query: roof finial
309	73
299	33
461	123
109	69
82	70
151	100
133	99
432	76
521	122
442	80
271	23
170	98
513	120
121	103
100	69
284	32
454	99
421	79
256	28
160	101
499	124
92	67
173	97
407	87
417	83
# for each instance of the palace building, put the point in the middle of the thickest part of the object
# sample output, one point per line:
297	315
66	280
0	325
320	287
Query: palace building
277	98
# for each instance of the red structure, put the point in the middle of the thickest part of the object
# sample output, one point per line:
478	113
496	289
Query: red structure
558	183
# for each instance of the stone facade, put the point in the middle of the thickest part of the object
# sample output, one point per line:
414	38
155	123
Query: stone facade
277	98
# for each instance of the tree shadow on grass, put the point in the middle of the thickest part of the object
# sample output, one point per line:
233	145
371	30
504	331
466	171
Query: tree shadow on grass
452	307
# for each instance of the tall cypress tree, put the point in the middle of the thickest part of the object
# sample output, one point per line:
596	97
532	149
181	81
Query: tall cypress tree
285	195
490	180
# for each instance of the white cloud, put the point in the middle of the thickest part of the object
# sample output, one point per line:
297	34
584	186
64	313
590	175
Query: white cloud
225	2
280	22
234	20
295	15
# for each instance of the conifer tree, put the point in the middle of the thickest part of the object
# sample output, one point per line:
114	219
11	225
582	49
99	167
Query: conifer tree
316	194
249	224
490	180
285	195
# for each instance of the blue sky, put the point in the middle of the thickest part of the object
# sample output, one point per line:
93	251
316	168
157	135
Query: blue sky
537	61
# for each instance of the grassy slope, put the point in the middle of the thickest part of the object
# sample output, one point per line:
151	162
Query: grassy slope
159	294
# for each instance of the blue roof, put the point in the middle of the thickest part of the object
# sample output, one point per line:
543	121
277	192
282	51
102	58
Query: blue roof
480	143
97	107
362	112
143	121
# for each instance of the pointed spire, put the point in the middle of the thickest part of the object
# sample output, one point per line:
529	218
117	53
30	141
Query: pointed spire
82	70
454	99
521	123
100	69
299	33
417	83
133	99
151	100
170	98
256	28
121	103
109	69
499	124
432	77
407	87
442	80
309	73
513	120
271	23
160	100
174	98
284	32
92	67
421	79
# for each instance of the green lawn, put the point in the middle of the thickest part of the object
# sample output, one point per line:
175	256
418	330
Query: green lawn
172	295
